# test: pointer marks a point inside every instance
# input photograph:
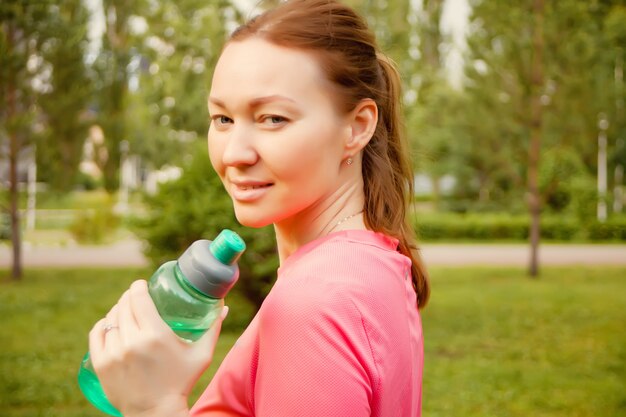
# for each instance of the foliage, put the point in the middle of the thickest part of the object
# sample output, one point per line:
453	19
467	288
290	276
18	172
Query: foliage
65	103
75	200
173	66
505	226
495	343
94	225
86	182
612	229
580	54
410	34
44	84
148	87
196	207
476	133
22	34
112	87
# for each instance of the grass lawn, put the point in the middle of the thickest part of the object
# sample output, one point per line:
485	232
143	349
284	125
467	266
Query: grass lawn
497	343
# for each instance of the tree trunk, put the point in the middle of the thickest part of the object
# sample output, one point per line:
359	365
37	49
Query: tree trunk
16	241
14	150
534	151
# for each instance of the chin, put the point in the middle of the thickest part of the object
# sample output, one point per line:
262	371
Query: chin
250	220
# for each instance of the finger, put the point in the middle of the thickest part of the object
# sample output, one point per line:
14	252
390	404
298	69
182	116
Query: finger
112	342
128	325
205	346
144	310
96	340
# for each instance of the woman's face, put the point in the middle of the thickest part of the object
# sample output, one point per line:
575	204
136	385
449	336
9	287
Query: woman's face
276	140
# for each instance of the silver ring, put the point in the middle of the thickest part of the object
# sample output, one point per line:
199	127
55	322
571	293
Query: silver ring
108	327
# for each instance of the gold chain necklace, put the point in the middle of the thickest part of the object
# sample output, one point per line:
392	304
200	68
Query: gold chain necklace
343	220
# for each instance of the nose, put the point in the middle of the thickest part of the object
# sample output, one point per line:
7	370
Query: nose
239	149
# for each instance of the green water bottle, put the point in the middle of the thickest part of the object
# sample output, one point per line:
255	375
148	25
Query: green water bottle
189	295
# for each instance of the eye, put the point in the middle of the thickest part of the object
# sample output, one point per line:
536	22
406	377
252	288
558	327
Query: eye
273	120
221	120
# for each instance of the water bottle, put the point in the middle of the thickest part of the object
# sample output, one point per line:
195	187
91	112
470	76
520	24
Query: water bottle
189	295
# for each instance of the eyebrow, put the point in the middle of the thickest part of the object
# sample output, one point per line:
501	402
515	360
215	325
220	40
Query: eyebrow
255	102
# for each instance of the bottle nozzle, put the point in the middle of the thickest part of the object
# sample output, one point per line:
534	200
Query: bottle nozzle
227	247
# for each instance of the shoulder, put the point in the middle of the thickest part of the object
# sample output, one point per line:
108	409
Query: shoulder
343	275
353	258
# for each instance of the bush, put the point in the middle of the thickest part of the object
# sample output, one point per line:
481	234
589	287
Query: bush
5	226
561	228
613	229
476	227
449	226
87	182
584	197
94	225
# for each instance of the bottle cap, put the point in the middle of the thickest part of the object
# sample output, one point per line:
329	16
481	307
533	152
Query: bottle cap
227	247
211	266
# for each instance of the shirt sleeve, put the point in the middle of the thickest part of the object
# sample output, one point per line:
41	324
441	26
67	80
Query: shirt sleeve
314	354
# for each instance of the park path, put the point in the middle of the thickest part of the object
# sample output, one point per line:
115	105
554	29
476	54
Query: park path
128	252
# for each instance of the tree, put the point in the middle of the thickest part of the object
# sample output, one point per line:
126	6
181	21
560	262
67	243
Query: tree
534	150
65	104
112	88
410	32
537	109
172	70
434	117
615	37
22	75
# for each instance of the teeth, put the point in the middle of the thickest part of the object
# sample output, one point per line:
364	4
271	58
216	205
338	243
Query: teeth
254	187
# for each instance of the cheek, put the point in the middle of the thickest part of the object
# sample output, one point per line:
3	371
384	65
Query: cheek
306	151
306	175
216	149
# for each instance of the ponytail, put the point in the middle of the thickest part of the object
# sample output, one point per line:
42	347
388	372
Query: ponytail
388	176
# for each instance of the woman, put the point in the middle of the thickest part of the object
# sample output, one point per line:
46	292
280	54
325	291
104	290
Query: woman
305	134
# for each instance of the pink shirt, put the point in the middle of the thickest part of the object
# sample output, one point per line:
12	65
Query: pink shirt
338	335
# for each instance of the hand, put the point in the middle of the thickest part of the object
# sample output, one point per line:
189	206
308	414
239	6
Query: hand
141	363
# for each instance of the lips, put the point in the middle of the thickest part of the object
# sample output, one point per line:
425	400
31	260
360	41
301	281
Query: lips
252	187
248	190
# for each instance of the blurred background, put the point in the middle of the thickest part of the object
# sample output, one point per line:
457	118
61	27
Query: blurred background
515	115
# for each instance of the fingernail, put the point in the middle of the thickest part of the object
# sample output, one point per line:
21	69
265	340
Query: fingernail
224	312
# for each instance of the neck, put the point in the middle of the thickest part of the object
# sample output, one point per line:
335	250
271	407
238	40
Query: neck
341	210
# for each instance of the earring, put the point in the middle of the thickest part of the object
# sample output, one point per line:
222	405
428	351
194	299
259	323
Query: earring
349	161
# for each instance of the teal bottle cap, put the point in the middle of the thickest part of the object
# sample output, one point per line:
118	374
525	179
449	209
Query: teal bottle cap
227	247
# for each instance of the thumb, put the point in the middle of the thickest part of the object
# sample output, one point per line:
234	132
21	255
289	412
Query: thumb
205	346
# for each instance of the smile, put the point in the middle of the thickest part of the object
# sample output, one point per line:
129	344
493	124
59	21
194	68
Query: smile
247	193
253	187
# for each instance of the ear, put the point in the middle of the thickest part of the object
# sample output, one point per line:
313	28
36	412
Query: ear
362	120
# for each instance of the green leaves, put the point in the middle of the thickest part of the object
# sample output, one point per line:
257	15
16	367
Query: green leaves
65	104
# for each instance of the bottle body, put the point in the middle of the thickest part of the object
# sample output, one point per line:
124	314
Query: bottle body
91	388
186	310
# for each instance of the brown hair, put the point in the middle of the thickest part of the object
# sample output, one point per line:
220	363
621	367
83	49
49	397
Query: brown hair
347	52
